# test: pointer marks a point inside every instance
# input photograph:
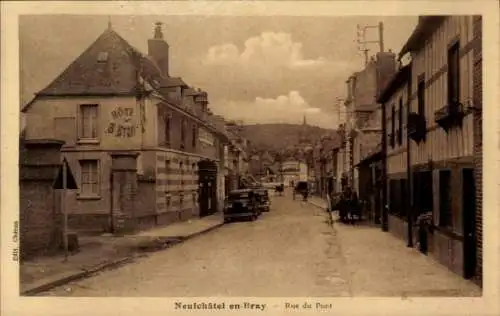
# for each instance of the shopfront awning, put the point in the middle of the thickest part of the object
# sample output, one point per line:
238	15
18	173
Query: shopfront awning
376	156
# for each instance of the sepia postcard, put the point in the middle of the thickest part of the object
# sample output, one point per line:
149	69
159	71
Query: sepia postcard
272	157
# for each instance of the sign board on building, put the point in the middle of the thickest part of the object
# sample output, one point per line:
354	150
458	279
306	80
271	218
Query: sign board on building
206	137
303	172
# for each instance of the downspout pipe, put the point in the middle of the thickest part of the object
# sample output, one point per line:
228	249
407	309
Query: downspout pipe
384	225
409	191
409	182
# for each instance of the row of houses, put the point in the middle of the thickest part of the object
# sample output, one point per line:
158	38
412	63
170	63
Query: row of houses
287	165
143	147
412	143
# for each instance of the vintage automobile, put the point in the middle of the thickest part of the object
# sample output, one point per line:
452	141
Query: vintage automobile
241	204
262	195
301	188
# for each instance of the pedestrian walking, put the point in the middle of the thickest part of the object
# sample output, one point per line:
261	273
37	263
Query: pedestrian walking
354	207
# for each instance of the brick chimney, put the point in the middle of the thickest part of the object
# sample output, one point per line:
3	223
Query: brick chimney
387	67
158	50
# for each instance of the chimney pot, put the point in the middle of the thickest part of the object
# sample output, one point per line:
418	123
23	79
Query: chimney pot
158	31
158	49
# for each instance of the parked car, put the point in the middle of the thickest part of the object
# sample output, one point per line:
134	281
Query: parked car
241	204
263	200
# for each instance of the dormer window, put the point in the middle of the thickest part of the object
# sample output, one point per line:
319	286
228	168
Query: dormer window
102	57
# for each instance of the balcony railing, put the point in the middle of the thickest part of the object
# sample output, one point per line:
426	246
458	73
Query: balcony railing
417	127
450	115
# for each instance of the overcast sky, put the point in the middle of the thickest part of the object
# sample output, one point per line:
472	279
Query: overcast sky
257	69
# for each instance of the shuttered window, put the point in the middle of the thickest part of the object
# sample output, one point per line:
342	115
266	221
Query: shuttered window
421	95
454	74
194	135
89	177
88	121
168	127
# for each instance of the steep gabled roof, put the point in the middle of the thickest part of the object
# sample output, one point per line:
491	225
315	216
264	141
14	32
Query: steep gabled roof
111	66
427	24
174	82
115	74
192	92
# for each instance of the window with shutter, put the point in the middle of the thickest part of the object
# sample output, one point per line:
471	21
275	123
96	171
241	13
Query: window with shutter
90	184
421	95
168	127
88	122
454	75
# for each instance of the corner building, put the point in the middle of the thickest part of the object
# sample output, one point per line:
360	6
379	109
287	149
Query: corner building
140	143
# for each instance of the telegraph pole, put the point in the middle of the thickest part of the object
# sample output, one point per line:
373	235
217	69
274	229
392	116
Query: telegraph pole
362	41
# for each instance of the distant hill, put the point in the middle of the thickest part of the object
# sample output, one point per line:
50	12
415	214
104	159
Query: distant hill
276	137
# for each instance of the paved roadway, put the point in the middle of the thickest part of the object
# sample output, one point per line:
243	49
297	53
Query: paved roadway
290	251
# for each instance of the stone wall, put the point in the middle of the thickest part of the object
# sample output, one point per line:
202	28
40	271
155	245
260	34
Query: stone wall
39	213
398	227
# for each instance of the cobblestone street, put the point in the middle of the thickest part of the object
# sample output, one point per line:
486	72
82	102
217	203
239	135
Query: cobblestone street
290	251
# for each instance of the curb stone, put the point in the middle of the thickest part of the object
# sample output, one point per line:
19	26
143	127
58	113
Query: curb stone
323	207
83	273
80	274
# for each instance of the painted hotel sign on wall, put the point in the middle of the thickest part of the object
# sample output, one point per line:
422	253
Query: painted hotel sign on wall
205	137
122	123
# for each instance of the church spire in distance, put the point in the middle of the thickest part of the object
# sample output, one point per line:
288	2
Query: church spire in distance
303	138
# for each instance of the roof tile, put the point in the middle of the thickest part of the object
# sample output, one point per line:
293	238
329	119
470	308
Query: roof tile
115	75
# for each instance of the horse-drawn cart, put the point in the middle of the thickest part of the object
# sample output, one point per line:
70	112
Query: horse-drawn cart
348	206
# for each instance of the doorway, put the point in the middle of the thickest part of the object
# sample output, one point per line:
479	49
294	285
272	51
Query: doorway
469	221
207	186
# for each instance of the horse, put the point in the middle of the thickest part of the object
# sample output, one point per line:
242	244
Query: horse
349	207
353	208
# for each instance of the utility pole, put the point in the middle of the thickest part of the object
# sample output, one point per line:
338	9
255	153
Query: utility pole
63	208
362	42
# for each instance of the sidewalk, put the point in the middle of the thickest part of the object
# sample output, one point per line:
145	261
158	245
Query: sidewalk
101	252
382	265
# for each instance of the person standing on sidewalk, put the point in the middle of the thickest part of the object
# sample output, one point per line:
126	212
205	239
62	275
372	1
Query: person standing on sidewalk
344	204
